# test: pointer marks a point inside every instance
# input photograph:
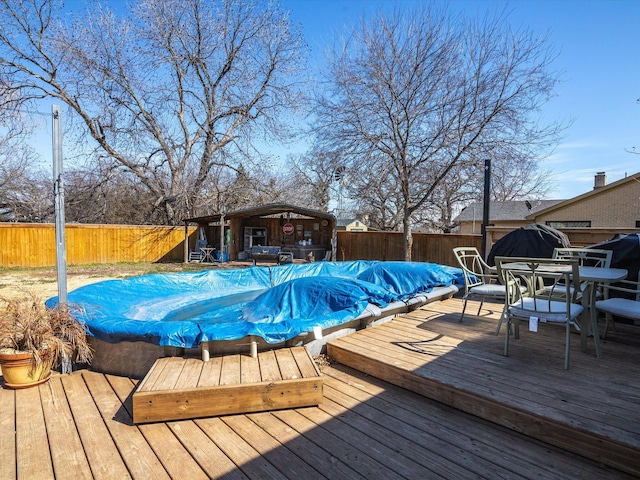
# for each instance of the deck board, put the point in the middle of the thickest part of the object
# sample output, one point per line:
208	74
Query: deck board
462	365
287	364
269	370
8	428
238	449
101	452
169	375
204	451
341	449
210	375
67	456
459	437
171	453
269	447
133	447
373	443
190	375
303	447
230	373
249	370
366	428
32	460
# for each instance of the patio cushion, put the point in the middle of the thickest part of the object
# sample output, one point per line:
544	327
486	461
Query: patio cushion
551	311
622	307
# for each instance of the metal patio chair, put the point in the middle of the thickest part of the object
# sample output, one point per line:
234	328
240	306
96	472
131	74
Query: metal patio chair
480	279
540	304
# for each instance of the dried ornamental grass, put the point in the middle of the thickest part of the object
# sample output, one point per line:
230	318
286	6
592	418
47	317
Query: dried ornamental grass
29	326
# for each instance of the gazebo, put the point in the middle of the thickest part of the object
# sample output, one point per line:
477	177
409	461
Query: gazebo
298	230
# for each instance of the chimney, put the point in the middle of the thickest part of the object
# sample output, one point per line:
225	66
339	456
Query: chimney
600	180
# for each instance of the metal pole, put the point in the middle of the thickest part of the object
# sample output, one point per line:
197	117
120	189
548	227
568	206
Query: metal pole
58	193
485	205
58	197
222	235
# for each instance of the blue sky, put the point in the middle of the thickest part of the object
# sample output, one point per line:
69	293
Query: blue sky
598	46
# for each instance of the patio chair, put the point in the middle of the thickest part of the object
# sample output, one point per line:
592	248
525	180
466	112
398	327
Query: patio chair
539	304
480	279
197	253
589	257
628	308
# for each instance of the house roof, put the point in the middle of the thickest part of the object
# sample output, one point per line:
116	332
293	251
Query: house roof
511	210
265	210
343	222
596	191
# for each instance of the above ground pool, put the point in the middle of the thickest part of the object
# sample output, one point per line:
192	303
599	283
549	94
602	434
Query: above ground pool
274	304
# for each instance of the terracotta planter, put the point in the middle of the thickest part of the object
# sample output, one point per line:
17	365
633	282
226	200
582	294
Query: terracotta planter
20	370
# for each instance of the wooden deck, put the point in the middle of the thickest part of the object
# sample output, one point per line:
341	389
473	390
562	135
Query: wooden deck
182	388
81	425
590	409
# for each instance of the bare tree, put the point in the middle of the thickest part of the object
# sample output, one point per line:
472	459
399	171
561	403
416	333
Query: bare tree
93	197
376	194
316	178
512	178
169	92
414	94
16	159
25	196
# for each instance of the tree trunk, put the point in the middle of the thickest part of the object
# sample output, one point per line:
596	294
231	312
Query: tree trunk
408	238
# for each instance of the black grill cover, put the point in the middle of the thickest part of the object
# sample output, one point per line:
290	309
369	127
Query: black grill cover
626	254
533	240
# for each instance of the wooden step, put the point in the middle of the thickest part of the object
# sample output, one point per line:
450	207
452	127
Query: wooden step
181	388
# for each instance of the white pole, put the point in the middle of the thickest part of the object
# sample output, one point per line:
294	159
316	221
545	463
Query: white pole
58	195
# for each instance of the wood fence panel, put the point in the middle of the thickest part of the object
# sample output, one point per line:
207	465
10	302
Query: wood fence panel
438	248
33	245
434	248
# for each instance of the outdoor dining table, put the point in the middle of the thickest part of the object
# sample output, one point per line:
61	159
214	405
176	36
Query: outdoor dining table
591	276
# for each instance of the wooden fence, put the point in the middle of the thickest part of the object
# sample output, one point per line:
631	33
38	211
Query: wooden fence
432	247
34	245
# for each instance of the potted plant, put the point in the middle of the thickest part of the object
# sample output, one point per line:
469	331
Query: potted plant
33	338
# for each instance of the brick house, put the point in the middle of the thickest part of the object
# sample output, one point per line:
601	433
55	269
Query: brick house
587	219
615	205
511	214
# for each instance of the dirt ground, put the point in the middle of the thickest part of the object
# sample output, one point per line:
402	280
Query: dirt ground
17	283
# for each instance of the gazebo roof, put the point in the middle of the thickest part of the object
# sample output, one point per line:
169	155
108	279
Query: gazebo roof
264	210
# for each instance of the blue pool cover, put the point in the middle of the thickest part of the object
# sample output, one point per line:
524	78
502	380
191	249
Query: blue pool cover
275	303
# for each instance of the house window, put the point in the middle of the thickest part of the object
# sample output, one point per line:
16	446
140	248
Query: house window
570	224
637	223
